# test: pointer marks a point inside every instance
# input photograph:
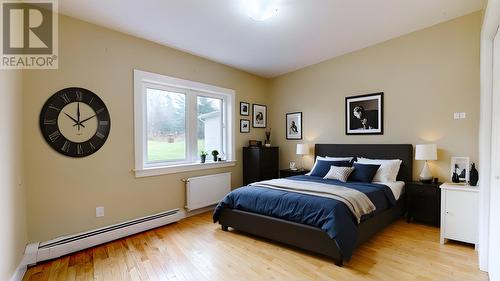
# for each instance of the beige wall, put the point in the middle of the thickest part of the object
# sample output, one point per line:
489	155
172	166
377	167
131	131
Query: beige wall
63	192
13	233
426	76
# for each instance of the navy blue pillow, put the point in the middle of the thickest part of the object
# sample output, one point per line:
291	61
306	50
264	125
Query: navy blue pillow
363	172
323	166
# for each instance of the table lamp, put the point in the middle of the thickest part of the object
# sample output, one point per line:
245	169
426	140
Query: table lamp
426	152
302	149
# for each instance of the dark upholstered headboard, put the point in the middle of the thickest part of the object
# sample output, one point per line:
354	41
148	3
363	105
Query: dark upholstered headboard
374	151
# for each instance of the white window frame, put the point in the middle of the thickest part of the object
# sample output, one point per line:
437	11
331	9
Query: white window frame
144	80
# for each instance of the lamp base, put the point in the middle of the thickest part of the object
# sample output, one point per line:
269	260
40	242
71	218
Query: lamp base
425	175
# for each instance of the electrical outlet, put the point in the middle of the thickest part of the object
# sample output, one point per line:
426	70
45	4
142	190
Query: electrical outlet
99	212
456	115
462	115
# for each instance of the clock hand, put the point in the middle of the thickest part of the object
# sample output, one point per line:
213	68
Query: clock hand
85	120
78	114
74	120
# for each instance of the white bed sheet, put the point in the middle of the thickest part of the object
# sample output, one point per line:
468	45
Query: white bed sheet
397	187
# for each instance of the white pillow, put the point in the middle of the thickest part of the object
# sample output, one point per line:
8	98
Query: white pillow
388	170
339	173
329	158
337	158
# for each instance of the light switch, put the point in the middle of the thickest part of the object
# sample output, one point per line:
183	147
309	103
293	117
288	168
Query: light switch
462	115
456	115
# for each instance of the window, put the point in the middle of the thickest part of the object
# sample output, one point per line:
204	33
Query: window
175	120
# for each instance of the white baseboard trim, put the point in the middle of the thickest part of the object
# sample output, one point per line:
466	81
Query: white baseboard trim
199	211
28	259
19	274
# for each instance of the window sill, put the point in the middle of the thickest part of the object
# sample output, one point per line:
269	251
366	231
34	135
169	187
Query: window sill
165	170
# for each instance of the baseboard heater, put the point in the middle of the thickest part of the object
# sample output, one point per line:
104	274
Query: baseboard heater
69	244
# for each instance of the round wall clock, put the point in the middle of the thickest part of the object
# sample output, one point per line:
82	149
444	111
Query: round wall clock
75	122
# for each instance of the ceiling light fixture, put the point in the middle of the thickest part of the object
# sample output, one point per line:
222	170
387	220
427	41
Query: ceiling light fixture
261	10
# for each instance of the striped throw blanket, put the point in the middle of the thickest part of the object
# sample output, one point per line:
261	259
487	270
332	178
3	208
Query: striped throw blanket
358	203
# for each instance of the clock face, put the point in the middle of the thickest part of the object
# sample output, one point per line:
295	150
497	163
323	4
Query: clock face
75	122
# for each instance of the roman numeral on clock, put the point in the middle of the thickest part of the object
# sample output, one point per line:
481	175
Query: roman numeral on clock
99	135
54	136
79	149
79	96
49	122
54	107
65	98
103	123
99	110
66	146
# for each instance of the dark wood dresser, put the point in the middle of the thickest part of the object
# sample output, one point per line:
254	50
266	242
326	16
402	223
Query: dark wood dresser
424	202
260	163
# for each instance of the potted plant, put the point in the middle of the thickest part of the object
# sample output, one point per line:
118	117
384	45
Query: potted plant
267	143
203	156
215	153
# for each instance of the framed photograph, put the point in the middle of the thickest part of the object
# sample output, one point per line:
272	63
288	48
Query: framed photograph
364	115
244	126
244	108
294	126
259	119
293	166
460	166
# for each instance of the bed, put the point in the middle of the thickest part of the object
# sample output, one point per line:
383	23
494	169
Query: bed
313	238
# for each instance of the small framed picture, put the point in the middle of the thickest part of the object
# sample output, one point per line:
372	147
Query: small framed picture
259	119
244	126
244	108
460	168
294	126
293	165
364	115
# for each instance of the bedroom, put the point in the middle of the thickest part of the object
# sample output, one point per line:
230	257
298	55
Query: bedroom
435	62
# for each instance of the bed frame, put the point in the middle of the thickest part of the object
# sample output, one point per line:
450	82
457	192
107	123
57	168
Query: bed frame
312	238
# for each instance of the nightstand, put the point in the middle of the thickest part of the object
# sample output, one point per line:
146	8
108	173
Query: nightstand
423	202
459	213
289	173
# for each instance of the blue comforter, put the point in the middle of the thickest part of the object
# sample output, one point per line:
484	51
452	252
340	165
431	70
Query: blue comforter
330	215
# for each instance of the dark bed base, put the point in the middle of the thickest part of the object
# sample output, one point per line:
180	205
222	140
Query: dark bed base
304	236
314	239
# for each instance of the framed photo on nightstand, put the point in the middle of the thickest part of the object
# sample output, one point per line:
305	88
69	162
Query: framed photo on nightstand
460	169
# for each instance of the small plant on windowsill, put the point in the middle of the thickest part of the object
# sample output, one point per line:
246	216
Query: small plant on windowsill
215	153
203	156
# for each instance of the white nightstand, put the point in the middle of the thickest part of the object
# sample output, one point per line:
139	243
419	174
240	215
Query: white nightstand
459	213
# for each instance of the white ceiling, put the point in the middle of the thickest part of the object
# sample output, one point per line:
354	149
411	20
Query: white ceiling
303	32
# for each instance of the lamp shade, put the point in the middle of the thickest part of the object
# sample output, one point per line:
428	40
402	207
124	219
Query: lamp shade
425	152
302	149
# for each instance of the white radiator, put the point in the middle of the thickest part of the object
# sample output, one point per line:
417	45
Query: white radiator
206	190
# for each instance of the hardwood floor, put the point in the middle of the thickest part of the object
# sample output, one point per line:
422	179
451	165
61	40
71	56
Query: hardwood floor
197	249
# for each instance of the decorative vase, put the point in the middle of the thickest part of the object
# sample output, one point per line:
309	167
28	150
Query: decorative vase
203	158
455	178
473	175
